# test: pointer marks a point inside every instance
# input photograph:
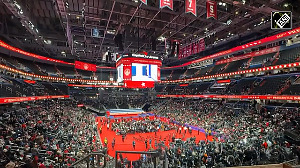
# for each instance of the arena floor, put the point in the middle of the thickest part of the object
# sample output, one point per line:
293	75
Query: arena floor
140	139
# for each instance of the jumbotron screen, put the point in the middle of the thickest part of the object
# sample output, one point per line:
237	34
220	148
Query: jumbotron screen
143	72
138	71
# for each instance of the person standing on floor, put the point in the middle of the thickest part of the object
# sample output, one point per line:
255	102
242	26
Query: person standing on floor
146	143
133	144
123	138
150	142
105	142
113	143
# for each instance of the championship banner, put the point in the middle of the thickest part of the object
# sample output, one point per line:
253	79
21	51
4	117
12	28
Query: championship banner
190	7
180	53
187	50
190	49
166	3
85	66
183	52
195	48
144	1
211	9
201	45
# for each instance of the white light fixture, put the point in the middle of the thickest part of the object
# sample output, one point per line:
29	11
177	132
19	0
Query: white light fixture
161	38
111	31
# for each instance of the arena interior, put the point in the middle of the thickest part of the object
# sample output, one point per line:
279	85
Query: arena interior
149	83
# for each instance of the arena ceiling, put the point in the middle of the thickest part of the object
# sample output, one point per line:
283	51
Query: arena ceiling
62	28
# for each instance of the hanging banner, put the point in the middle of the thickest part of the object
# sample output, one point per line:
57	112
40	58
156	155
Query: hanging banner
166	3
144	1
189	49
192	48
211	9
201	45
183	52
195	48
190	7
180	53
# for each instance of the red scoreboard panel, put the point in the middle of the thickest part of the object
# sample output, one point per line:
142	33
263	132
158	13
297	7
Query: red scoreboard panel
138	70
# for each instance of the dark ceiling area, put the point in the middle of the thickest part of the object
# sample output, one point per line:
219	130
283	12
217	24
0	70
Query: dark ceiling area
62	28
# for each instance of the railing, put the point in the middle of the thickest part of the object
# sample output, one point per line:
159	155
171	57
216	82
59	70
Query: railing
248	63
275	58
90	160
39	69
170	76
284	86
57	70
225	67
138	152
292	163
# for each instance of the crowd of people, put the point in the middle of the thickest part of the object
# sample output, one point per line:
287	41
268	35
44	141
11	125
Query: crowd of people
46	134
56	133
141	125
249	135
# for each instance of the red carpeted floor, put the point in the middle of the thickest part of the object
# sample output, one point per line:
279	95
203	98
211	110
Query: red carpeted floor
140	139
